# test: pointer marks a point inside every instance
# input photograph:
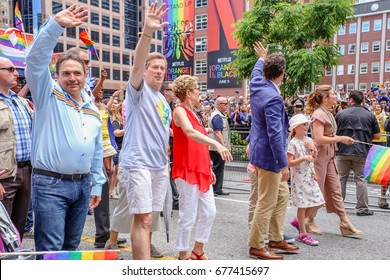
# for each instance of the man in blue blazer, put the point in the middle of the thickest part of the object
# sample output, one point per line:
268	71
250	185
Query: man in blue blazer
268	140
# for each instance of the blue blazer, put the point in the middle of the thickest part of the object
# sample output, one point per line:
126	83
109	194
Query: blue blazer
269	131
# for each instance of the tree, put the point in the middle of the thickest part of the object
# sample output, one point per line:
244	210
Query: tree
302	32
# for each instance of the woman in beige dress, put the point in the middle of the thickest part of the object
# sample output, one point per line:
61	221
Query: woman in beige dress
324	127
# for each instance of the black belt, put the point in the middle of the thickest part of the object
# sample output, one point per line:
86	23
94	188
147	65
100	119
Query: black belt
22	164
73	177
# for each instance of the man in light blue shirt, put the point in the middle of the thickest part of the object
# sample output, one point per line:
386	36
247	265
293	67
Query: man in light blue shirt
67	152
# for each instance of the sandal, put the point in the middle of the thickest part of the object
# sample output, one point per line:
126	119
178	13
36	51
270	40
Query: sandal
199	256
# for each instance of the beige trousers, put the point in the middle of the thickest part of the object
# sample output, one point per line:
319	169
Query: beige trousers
270	209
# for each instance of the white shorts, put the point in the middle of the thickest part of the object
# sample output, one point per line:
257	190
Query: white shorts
146	189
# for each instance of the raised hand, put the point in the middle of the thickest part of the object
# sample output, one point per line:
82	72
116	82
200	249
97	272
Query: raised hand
103	74
73	16
260	50
154	18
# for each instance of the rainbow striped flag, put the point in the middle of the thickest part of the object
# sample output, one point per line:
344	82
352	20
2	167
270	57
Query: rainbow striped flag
13	49
18	18
84	37
81	255
377	167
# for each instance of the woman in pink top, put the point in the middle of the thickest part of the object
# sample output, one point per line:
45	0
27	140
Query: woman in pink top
324	127
192	170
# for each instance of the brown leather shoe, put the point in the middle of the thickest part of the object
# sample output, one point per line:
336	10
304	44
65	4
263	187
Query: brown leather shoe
282	245
263	254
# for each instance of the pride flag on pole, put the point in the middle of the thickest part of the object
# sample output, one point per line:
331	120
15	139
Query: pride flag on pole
377	167
84	37
18	18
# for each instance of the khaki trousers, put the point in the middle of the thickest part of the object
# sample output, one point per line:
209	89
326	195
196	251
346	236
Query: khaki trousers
270	209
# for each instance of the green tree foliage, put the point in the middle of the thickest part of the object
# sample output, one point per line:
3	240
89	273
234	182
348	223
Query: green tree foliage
302	32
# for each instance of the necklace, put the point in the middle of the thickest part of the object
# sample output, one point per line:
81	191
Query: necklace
331	119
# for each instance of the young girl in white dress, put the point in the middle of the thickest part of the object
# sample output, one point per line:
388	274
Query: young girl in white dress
305	192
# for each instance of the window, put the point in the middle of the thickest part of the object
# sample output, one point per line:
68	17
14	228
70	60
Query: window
328	72
95	18
352	28
351	48
159	35
351	69
159	49
126	59
105	21
115	7
388	45
95	72
376	46
152	48
350	87
340	70
202	87
201	22
94	3
116	75
94	57
200	67
106	56
83	1
365	26
106	4
375	67
116	24
342	30
95	36
59	48
116	41
71	32
200	3
388	23
57	7
69	46
106	39
387	66
342	49
125	75
364	47
363	68
377	24
363	87
201	44
116	58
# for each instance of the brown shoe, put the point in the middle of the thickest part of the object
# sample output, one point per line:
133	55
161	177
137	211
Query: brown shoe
263	254
282	245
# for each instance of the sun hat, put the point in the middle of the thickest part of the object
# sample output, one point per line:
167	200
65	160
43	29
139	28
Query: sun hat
297	120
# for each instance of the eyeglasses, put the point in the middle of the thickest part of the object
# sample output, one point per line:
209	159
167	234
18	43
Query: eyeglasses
168	89
224	103
86	62
9	69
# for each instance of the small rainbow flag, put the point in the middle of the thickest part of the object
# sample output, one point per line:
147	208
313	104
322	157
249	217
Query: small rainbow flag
84	37
81	255
18	18
377	167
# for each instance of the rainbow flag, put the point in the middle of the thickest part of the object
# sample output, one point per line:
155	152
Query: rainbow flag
84	37
377	167
18	18
12	49
81	255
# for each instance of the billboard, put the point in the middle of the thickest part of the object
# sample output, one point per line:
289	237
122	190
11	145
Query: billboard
222	14
178	40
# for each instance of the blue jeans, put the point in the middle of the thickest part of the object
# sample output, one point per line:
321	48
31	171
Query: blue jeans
60	209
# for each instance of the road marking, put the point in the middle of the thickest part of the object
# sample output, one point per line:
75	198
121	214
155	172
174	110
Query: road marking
235	200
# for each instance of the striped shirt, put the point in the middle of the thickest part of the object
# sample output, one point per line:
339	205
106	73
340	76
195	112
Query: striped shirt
22	126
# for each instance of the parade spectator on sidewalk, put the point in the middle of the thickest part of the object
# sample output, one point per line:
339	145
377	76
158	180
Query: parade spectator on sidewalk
145	144
356	122
72	157
268	140
193	175
324	128
219	123
15	147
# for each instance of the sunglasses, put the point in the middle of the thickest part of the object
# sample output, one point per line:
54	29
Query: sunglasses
298	106
9	69
224	103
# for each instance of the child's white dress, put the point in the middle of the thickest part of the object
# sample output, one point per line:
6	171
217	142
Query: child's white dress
305	191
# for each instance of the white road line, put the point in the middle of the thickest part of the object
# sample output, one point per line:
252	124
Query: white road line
235	200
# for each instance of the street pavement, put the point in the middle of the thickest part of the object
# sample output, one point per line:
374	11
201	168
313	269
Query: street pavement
229	236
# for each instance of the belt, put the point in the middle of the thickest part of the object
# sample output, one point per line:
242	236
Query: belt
73	177
22	164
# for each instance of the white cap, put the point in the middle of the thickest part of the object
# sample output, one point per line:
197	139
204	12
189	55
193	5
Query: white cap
297	120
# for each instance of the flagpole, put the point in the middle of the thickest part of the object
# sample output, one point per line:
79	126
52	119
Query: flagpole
361	142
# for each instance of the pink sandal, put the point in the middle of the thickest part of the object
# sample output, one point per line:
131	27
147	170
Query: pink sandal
199	257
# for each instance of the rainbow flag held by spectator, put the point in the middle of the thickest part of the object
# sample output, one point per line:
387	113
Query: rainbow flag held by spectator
377	167
84	37
18	18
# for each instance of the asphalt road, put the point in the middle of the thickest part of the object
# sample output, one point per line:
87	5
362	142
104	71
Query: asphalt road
230	231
